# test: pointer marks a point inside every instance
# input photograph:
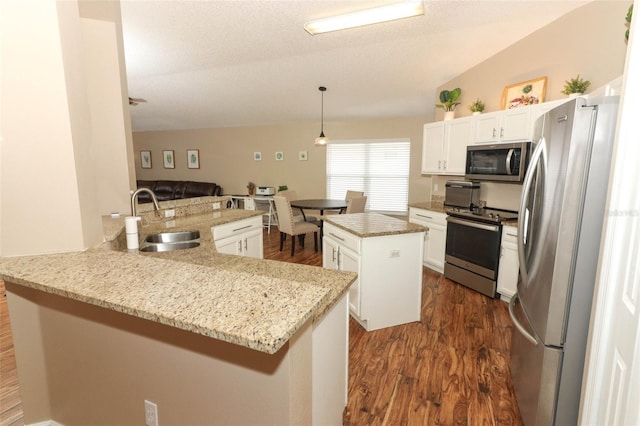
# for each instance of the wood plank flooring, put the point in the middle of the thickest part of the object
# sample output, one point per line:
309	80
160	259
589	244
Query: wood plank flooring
451	368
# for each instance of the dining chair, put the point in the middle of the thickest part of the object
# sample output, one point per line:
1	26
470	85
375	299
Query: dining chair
353	194
288	226
356	205
291	195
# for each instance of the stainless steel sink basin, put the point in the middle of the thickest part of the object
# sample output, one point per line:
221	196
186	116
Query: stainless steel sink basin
182	245
172	237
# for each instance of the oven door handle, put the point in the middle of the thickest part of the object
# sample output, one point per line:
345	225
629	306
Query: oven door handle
508	161
492	228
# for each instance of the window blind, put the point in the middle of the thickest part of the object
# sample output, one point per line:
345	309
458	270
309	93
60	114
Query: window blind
379	168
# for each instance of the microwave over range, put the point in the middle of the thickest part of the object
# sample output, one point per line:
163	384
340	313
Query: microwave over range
505	162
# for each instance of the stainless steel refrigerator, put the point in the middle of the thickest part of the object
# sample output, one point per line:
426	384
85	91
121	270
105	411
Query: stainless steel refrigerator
559	231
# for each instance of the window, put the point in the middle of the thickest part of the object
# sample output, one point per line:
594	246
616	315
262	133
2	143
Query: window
380	168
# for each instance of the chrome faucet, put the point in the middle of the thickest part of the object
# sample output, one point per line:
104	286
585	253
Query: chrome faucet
135	194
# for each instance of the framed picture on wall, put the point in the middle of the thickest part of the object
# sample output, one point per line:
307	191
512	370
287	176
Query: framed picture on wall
302	155
279	156
526	93
257	156
169	160
145	159
193	159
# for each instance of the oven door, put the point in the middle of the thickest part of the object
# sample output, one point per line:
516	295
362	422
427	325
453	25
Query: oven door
501	162
474	246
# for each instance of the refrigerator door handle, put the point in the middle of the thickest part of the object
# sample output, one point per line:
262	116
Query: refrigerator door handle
522	224
519	326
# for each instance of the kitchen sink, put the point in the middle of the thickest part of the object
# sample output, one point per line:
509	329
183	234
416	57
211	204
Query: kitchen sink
159	247
172	237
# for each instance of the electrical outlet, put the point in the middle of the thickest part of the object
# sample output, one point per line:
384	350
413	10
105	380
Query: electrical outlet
394	253
170	224
150	413
216	206
169	213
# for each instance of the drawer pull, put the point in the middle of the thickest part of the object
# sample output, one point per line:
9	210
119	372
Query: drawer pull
426	217
240	229
335	236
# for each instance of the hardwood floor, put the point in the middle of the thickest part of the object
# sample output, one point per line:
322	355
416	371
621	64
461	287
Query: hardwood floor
451	368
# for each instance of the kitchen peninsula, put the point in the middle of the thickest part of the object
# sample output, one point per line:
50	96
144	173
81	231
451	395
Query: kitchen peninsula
210	338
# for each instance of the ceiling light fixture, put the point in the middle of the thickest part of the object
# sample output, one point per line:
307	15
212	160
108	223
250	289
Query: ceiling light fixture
377	15
322	140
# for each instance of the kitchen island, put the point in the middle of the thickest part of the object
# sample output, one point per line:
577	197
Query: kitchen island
210	338
386	252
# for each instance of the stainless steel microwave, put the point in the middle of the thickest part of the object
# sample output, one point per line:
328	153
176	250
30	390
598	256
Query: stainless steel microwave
504	162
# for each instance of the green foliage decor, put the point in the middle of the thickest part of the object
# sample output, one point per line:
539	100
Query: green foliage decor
628	23
448	99
282	188
576	85
476	106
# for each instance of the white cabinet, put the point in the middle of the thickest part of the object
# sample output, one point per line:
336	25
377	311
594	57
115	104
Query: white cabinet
503	126
389	286
444	146
341	251
509	266
435	238
242	237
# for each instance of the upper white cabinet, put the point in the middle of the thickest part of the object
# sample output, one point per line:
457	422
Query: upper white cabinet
503	126
444	146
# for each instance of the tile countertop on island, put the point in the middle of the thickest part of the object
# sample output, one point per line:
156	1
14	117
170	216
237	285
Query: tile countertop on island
367	225
254	303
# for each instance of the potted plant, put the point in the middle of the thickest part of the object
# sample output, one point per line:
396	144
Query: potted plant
282	188
449	102
251	187
476	107
628	23
575	86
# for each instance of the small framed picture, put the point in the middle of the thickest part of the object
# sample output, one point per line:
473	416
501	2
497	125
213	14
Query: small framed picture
528	92
145	159
257	156
279	155
193	159
168	159
302	155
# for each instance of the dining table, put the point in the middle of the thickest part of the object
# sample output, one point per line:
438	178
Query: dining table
320	204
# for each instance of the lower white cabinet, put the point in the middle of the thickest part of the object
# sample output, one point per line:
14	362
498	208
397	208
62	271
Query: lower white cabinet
242	237
435	239
509	265
388	289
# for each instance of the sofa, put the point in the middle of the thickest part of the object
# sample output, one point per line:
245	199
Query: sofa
176	189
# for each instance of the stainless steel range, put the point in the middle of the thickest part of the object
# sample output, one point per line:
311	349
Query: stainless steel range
473	241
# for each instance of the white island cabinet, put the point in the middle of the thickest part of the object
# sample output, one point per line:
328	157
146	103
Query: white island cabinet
243	237
435	238
386	253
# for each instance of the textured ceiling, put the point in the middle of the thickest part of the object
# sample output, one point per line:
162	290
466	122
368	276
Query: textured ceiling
203	64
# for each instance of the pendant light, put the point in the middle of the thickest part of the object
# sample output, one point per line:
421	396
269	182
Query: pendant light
322	140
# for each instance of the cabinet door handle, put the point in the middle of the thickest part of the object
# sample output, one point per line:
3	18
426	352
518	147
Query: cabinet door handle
246	246
240	246
501	132
494	132
333	255
439	164
445	165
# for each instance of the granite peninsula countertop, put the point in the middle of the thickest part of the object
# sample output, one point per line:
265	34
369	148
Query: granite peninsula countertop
367	225
255	303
